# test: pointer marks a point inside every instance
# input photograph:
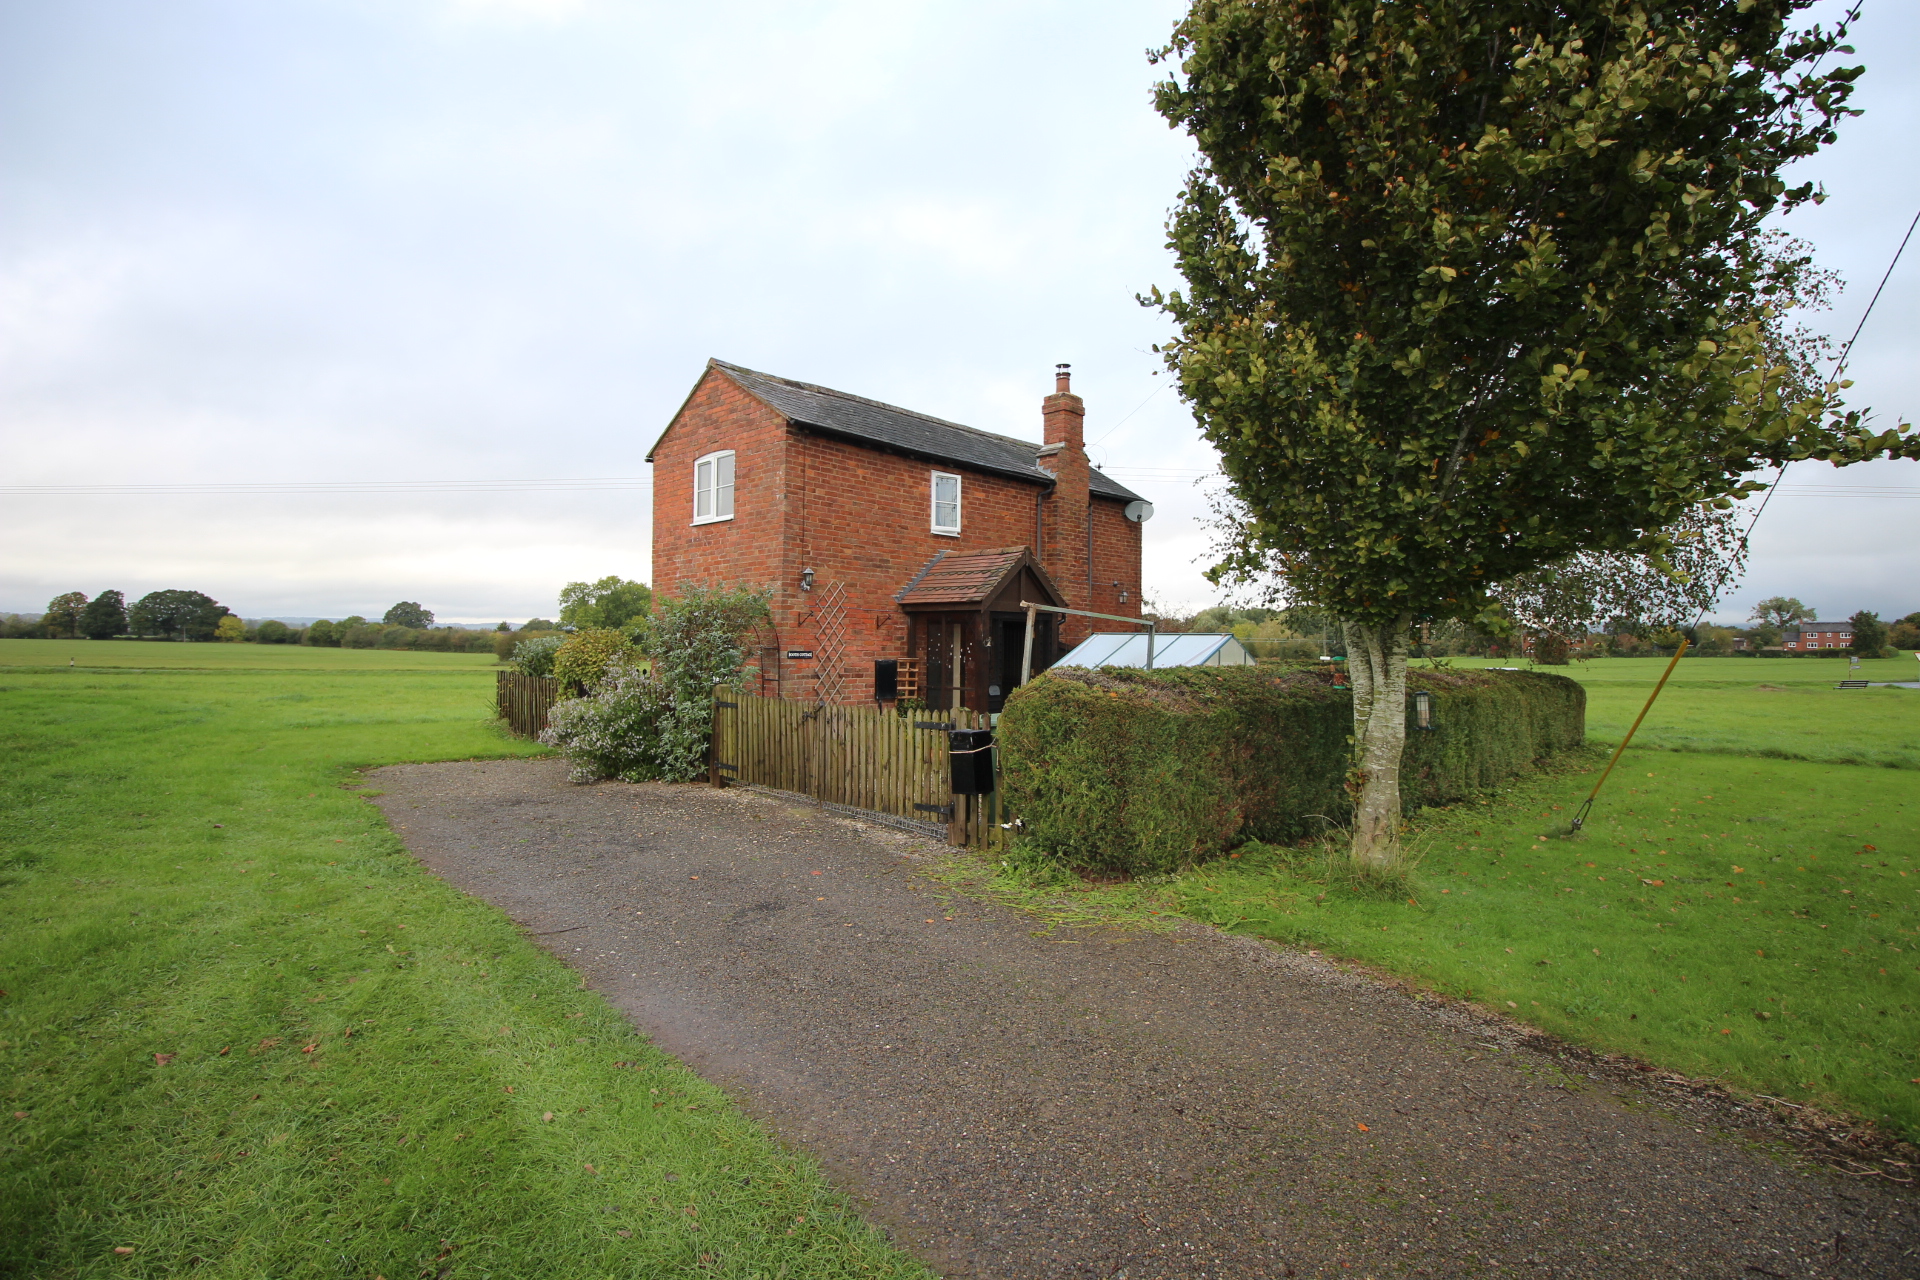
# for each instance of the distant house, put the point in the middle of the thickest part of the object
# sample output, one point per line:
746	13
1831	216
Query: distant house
1818	635
885	533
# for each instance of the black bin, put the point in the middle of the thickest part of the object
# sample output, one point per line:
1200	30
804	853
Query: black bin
886	679
970	754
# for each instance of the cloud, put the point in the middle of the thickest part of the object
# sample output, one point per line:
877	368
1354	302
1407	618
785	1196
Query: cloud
486	239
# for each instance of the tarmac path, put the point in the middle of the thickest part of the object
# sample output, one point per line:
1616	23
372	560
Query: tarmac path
1108	1104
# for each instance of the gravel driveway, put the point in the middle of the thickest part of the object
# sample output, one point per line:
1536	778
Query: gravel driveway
1106	1104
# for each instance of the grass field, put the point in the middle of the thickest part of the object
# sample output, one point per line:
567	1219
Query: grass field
242	1034
162	655
1783	708
1726	911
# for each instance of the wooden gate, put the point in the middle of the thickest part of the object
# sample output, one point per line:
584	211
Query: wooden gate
523	701
854	756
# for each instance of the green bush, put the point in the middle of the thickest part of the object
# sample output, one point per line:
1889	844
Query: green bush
587	657
654	721
1145	772
506	644
533	656
617	731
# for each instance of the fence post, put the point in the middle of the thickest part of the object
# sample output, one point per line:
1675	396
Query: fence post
714	776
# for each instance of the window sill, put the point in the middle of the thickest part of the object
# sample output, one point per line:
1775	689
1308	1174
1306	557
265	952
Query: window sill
711	520
946	533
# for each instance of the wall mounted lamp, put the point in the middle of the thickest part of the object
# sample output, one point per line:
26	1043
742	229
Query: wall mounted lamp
806	579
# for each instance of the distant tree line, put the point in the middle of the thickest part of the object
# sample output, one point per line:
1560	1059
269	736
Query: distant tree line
611	603
1296	634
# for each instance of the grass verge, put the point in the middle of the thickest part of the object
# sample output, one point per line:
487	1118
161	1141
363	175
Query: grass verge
244	1034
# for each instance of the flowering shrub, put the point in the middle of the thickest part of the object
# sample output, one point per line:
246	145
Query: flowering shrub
636	724
587	657
616	731
535	657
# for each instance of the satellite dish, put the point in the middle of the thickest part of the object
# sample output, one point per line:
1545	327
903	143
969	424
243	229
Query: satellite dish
1139	511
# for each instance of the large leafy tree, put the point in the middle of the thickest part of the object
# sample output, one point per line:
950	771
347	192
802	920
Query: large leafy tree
408	613
1783	611
190	615
105	616
1474	286
64	613
1869	633
612	602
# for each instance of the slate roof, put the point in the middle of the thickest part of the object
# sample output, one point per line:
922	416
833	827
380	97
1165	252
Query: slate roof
969	577
903	430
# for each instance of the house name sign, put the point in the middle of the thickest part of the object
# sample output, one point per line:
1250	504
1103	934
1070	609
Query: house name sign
799	653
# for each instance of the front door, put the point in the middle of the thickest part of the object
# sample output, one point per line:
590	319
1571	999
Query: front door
1009	644
947	667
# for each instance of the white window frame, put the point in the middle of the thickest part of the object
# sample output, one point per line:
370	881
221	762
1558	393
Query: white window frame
933	501
720	504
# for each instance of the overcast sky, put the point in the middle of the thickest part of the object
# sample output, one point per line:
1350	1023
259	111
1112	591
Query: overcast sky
364	242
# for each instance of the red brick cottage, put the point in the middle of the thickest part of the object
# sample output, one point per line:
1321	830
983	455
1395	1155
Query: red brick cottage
888	534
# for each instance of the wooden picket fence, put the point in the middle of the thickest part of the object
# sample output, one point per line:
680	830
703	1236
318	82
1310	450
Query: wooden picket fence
523	701
853	756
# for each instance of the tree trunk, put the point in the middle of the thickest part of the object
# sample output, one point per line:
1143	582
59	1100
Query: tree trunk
1377	669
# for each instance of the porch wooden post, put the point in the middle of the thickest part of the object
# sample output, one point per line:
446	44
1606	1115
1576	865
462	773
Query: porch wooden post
1026	649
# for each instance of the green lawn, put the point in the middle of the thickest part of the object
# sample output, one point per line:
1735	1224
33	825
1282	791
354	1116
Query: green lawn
160	655
1785	708
1726	912
243	1035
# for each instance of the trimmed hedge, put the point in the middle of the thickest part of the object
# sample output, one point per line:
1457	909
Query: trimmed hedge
1141	771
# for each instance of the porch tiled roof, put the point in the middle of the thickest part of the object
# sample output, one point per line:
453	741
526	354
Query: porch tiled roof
968	578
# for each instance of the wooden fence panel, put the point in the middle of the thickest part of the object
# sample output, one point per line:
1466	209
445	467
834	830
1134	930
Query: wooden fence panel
855	756
523	701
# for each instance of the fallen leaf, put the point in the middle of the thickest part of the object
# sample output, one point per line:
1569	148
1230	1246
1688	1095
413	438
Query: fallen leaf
1363	1129
1726	1031
592	1172
624	1235
19	1115
223	1052
547	1116
310	1048
122	1250
163	1059
509	1088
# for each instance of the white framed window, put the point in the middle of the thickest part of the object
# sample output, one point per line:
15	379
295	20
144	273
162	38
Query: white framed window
713	487
946	503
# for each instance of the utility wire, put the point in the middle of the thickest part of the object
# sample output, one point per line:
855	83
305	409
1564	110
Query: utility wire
339	486
1839	366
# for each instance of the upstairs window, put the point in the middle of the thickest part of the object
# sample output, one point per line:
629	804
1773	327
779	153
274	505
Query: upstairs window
946	503
713	487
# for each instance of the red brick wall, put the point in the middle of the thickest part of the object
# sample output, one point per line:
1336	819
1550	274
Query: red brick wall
750	549
1116	558
865	520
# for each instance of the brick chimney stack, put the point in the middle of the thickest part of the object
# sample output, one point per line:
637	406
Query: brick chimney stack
1066	523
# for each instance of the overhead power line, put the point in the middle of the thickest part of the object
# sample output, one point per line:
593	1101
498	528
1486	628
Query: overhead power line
559	485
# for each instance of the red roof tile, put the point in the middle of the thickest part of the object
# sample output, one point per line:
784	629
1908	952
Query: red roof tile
970	577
